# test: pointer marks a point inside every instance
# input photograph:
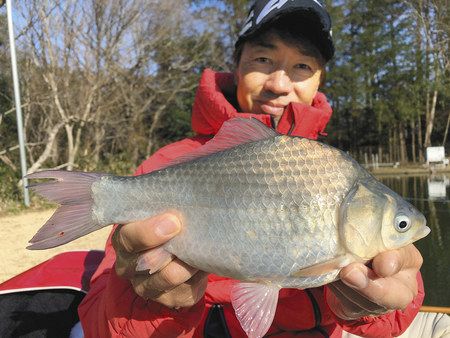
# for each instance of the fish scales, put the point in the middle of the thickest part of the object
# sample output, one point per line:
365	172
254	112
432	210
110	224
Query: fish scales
277	195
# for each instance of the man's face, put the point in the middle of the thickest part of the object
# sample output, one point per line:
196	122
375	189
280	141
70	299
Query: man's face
271	74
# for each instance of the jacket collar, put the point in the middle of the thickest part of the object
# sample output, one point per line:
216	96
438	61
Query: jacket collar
212	108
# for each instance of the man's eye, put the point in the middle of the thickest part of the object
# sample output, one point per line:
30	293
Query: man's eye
262	60
303	66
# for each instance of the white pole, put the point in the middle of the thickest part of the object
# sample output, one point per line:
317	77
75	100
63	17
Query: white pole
23	162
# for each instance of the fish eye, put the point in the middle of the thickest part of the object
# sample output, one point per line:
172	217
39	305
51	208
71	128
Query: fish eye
402	223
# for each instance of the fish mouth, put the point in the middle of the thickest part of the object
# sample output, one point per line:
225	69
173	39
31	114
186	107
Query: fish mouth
423	229
421	232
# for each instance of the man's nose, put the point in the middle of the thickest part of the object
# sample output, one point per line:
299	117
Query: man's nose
279	83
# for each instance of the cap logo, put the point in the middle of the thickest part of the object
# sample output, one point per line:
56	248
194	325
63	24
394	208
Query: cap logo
247	24
275	4
269	7
318	2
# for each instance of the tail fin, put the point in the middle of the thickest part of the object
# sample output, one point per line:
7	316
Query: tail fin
73	218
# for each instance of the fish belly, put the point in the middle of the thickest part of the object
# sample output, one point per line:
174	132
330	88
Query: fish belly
253	245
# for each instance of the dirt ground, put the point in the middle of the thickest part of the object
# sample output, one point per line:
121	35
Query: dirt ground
16	230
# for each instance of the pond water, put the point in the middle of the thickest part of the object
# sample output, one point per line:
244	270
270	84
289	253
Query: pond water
430	194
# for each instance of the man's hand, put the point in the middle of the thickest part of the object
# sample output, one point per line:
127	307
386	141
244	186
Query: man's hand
174	285
388	284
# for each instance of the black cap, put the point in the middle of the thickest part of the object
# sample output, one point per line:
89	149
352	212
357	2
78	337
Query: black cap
318	27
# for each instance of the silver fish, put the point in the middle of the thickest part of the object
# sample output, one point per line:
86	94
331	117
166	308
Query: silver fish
270	210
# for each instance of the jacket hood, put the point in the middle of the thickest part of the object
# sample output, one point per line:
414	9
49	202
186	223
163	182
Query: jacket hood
211	109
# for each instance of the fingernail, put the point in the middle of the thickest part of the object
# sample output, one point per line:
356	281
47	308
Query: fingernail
142	264
168	225
355	278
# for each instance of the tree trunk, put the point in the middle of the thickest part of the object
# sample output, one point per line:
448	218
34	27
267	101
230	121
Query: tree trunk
420	76
402	150
430	120
70	146
380	153
48	148
446	130
391	146
419	139
98	145
413	141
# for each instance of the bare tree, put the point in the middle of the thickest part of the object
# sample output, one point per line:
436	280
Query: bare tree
434	31
102	72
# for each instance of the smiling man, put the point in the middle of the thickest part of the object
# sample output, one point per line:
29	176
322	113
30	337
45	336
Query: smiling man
271	75
280	59
278	64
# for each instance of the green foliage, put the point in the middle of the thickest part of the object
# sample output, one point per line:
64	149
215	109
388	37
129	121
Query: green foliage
381	77
8	188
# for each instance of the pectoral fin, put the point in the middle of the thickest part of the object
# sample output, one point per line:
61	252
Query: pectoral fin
323	268
255	305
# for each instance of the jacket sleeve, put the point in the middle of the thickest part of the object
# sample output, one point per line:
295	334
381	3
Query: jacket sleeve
392	324
112	308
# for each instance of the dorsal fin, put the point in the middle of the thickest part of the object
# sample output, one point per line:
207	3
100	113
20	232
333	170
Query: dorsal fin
232	133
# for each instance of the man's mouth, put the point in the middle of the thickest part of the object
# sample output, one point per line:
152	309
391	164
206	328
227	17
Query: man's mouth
272	109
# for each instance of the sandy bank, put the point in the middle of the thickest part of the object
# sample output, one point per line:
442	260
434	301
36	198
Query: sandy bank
16	230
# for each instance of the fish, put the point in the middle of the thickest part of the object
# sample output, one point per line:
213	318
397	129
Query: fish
269	210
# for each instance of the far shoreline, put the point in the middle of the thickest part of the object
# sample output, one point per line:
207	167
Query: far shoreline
408	170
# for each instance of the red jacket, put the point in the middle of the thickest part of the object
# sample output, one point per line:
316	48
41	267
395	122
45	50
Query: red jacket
111	307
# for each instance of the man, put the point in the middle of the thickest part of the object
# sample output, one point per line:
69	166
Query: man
280	57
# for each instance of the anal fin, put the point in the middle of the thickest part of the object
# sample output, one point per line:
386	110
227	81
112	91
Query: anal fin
255	305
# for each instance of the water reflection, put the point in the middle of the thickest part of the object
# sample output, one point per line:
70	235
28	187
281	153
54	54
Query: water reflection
437	186
430	195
